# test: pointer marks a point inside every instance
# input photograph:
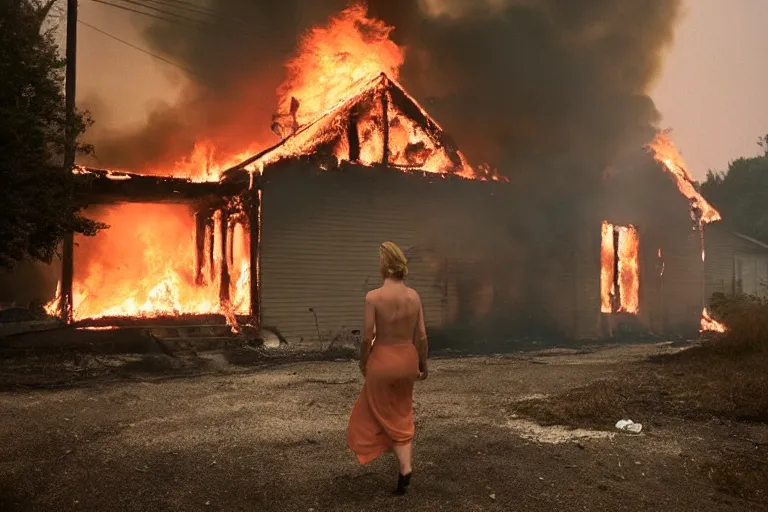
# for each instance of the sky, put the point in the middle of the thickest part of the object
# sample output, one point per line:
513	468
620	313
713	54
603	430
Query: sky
711	91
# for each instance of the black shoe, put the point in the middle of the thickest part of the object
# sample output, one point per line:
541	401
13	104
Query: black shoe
403	481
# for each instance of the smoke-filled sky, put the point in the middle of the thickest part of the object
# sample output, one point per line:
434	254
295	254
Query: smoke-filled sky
512	80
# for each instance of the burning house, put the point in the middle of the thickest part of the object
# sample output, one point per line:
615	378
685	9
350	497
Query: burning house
287	239
653	247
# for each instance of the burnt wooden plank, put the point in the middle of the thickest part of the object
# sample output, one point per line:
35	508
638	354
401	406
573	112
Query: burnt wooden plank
224	278
101	186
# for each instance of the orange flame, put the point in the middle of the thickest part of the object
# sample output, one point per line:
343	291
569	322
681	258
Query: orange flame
629	269
709	324
335	64
331	60
205	163
627	282
666	153
143	266
607	277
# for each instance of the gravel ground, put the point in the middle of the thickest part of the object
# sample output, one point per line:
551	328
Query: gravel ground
272	438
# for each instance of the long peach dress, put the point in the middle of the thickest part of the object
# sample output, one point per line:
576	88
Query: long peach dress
383	413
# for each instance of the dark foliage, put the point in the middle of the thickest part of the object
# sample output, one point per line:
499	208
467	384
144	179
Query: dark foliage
741	193
38	198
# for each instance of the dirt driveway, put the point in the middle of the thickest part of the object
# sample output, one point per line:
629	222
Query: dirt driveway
273	439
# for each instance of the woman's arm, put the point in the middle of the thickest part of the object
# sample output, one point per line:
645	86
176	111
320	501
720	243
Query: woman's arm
369	331
420	339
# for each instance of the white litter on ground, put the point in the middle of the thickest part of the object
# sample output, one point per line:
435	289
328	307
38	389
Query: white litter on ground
629	426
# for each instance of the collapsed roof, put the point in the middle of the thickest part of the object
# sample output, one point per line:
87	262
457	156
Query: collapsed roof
355	130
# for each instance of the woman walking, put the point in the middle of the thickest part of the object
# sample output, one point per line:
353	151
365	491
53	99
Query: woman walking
393	356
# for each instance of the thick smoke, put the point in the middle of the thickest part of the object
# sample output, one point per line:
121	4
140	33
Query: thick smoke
528	86
235	60
549	92
532	84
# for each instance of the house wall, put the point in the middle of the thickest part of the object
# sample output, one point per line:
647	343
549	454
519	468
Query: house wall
585	292
722	248
484	263
320	233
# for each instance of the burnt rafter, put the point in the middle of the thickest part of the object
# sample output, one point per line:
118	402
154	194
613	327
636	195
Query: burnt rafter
103	186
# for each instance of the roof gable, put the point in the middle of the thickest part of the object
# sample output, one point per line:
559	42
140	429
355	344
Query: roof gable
410	138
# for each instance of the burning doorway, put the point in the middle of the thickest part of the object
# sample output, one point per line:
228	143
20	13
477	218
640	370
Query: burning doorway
620	269
144	265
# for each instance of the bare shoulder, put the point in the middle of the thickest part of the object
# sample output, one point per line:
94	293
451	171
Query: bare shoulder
372	296
413	295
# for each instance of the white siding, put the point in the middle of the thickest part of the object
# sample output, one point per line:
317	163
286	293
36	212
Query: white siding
734	264
320	237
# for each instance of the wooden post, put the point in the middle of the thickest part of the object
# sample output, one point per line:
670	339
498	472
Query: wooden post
70	147
231	243
224	267
211	230
200	222
385	127
254	221
353	137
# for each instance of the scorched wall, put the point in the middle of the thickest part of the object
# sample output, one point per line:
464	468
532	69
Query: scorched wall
320	234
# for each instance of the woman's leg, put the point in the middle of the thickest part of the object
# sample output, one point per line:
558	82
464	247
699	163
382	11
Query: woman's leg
404	454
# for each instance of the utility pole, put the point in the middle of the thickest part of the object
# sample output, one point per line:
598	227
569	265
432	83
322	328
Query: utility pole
68	245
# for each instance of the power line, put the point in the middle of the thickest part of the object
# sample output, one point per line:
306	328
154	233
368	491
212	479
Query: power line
169	20
142	50
162	11
185	6
190	7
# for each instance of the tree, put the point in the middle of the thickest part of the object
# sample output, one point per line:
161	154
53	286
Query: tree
741	193
38	199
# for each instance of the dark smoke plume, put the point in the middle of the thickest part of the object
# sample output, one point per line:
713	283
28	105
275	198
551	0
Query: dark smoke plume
524	85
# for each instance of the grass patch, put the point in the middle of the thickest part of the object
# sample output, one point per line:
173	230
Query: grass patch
725	376
598	405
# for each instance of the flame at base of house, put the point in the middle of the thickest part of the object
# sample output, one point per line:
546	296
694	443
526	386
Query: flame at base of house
709	324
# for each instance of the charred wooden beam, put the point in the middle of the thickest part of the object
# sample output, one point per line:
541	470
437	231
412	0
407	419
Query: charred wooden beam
102	187
616	276
254	221
231	242
224	278
353	137
201	220
385	127
211	231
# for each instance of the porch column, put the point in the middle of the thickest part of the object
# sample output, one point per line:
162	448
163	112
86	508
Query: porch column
201	219
224	268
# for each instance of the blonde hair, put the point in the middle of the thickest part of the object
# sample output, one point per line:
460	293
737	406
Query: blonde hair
393	262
